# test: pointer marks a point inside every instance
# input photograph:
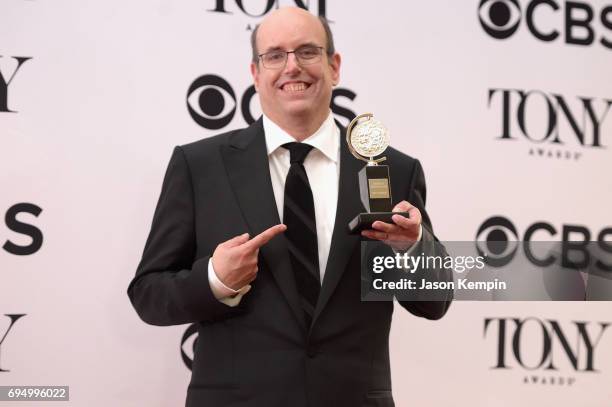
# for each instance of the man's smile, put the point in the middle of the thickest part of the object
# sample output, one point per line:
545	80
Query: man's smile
294	86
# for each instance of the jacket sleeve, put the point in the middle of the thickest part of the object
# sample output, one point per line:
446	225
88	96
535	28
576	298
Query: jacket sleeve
170	286
430	246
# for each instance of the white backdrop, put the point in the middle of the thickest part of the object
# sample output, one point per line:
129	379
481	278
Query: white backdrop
89	122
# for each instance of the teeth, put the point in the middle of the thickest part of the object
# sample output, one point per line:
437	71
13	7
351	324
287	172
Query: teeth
295	87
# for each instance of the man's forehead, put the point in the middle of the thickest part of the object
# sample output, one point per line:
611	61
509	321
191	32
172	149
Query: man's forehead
296	28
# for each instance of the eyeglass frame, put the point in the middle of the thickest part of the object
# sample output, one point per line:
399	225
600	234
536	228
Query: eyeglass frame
298	60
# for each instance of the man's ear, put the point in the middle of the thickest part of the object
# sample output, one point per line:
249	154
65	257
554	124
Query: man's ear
334	62
255	74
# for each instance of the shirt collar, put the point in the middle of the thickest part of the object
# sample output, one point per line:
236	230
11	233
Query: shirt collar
325	139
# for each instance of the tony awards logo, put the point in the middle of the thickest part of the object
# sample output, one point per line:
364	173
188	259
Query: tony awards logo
368	138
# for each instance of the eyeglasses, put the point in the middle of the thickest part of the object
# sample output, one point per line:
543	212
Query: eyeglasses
305	55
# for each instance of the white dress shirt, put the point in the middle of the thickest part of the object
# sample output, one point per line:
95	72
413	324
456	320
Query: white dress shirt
323	170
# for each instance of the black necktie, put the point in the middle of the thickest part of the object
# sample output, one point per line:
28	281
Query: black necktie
301	233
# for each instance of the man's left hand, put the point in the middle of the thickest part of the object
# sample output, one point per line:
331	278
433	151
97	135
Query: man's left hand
402	233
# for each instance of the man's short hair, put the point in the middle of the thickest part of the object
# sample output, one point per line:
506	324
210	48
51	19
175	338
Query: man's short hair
330	49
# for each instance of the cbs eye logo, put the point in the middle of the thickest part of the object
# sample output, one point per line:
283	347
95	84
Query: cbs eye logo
499	18
496	241
212	103
188	344
576	248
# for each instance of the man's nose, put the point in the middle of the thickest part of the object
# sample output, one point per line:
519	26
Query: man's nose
292	64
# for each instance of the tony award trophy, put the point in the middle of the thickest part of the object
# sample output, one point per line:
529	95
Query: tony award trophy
368	138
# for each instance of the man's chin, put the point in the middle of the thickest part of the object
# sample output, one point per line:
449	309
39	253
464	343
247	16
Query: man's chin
298	108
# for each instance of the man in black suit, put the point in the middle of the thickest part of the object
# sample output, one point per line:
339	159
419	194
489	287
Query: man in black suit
280	321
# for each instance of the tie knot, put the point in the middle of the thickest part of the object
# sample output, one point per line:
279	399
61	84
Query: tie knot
298	151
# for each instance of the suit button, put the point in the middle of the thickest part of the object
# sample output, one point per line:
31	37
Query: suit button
311	352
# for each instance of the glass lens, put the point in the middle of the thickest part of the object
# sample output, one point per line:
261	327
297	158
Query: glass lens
274	58
308	53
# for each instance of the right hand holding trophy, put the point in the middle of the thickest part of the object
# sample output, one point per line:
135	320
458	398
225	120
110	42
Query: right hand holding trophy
367	138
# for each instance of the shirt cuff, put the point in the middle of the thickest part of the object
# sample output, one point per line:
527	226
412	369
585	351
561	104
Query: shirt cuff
223	293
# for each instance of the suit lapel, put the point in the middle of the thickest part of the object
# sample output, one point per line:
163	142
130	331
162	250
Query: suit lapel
343	244
246	163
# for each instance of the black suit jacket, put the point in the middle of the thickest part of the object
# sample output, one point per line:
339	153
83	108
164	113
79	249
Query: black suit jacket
261	353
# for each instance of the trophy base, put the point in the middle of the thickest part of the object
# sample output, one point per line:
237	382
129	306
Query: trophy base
364	221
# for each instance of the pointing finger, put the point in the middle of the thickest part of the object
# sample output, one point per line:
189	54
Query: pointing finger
237	240
265	236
